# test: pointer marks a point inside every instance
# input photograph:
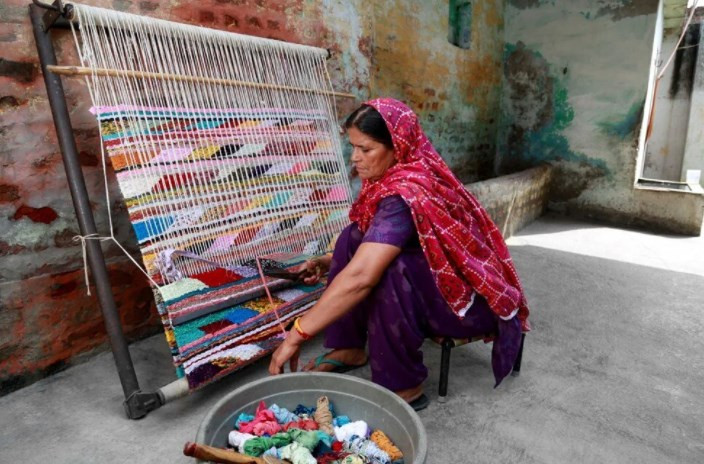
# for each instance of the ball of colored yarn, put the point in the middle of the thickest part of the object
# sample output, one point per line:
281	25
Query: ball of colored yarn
352	459
243	417
300	410
258	445
297	454
358	428
339	421
303	424
337	446
369	449
323	416
264	422
307	438
385	444
283	415
238	439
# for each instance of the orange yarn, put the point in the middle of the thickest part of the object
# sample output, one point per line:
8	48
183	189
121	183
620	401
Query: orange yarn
386	445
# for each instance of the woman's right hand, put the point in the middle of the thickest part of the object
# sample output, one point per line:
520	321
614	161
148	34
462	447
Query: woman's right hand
315	269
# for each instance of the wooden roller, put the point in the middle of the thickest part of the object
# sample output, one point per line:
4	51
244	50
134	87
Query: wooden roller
224	456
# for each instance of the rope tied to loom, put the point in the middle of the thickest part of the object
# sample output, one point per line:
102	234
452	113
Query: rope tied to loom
94	236
83	239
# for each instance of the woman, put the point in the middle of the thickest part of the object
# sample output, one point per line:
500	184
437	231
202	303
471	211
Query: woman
421	258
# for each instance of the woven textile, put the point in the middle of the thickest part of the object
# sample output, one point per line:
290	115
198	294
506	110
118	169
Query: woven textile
227	186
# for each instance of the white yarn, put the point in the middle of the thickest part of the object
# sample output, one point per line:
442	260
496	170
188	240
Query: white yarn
347	431
113	40
238	439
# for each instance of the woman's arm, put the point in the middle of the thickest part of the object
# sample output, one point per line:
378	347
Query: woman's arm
348	288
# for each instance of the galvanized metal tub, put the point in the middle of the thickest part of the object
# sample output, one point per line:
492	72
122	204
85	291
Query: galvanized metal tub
357	398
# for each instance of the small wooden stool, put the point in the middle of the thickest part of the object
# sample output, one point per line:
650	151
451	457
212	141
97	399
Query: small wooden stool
448	344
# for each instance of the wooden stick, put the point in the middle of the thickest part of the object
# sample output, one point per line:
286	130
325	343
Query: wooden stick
224	456
84	71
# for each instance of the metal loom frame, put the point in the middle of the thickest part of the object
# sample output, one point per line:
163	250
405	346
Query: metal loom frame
137	403
45	18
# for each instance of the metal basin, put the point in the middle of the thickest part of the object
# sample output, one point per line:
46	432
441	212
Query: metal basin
359	399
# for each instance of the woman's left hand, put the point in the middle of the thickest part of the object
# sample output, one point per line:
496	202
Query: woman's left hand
289	350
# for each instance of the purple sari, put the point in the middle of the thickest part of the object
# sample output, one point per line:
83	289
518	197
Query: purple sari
406	307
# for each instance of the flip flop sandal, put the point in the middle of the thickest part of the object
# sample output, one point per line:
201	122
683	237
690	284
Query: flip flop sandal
339	366
420	403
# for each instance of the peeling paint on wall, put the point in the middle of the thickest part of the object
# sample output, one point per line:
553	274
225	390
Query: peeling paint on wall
379	48
584	66
537	112
624	126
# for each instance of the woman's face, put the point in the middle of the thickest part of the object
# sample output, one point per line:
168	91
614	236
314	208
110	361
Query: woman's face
369	157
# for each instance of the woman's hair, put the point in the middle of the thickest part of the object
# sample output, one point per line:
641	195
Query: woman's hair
369	122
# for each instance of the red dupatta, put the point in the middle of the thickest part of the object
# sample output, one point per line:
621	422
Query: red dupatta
464	248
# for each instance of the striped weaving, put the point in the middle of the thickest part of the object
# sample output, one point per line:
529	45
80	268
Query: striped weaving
228	186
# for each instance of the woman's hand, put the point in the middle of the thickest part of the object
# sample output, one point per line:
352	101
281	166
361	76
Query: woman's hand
315	269
289	350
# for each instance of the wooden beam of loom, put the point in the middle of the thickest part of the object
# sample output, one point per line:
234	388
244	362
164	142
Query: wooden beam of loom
84	71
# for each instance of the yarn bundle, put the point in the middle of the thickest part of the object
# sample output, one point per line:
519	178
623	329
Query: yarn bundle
311	435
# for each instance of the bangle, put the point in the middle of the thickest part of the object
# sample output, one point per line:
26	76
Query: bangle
297	327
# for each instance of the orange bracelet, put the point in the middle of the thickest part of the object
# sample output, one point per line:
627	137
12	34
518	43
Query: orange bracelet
297	326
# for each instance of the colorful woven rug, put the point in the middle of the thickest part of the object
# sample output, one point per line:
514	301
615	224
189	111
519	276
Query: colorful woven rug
227	186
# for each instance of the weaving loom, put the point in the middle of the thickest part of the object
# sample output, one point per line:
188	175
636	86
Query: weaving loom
227	154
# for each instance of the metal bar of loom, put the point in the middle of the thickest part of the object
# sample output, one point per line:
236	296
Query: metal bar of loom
137	403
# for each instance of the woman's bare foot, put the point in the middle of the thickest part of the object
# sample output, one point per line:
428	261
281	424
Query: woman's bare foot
346	356
411	394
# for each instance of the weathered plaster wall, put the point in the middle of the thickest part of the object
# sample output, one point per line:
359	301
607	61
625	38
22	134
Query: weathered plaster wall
396	48
575	81
455	91
694	146
665	148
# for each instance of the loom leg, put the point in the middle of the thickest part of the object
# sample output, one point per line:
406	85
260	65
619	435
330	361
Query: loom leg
173	391
517	365
447	345
136	403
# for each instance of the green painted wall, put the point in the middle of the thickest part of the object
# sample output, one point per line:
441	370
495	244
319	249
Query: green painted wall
575	78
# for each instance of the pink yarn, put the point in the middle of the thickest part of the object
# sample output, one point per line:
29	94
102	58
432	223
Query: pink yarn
264	423
303	424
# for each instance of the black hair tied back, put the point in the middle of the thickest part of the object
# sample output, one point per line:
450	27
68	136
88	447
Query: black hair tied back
369	122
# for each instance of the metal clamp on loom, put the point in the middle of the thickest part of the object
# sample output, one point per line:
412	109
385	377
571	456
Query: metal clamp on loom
58	14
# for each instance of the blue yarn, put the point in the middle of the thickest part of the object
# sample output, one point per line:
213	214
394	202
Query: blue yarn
325	443
339	421
300	410
274	452
244	417
283	415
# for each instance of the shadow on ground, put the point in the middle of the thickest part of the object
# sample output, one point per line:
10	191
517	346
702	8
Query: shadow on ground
612	373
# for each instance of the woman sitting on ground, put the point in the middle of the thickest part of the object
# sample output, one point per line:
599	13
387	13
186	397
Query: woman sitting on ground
421	258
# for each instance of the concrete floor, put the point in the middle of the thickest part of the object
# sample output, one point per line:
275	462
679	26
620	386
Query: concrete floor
612	373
